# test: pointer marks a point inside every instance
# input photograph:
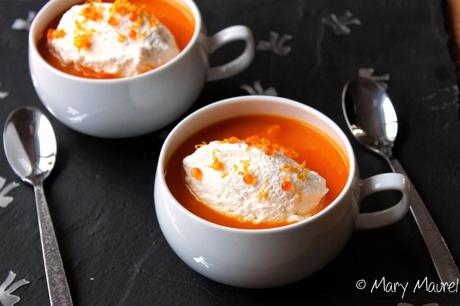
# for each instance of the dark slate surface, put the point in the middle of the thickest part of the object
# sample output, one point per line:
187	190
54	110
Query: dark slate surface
101	192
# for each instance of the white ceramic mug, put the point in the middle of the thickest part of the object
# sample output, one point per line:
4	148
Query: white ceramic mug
269	257
134	105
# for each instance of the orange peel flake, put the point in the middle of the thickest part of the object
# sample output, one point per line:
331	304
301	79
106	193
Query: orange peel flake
83	40
53	34
196	173
92	12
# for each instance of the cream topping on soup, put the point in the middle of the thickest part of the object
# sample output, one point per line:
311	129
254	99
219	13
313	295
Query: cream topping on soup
253	180
118	38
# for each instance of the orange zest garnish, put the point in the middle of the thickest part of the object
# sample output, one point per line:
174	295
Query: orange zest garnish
263	193
265	145
233	139
252	140
83	40
52	34
288	168
197	146
136	13
196	173
113	21
287	186
249	179
290	153
245	165
121	37
92	12
132	34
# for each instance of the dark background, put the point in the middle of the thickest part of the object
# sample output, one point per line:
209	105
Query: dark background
101	192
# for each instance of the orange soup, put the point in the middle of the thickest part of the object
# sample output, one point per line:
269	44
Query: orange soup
173	14
319	152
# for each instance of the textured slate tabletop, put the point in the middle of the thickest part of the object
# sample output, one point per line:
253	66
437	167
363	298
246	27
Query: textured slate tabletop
101	192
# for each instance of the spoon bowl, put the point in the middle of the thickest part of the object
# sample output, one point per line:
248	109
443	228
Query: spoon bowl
370	115
30	144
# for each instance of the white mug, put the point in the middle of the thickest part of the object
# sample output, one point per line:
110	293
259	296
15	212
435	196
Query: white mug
136	105
261	258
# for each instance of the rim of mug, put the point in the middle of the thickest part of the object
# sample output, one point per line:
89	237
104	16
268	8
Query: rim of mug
242	99
190	4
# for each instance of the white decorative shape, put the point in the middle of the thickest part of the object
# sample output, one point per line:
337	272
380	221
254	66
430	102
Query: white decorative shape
257	89
276	44
369	73
3	94
202	260
6	296
340	25
75	115
4	199
23	24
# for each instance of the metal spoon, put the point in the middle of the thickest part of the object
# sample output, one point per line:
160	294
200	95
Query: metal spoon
30	147
372	119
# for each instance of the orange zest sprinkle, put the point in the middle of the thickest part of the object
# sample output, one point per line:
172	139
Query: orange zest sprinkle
136	13
288	168
265	145
287	186
123	7
290	153
153	21
269	150
263	193
249	179
197	146
224	175
83	40
233	139
245	165
121	37
196	173
252	140
132	34
91	12
52	34
302	176
113	21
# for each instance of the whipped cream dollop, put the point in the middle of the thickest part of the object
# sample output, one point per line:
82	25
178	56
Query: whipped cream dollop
117	38
253	182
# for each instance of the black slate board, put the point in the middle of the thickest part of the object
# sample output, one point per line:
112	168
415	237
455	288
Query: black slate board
101	194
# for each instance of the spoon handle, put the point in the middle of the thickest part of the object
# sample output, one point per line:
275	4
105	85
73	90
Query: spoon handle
437	247
58	289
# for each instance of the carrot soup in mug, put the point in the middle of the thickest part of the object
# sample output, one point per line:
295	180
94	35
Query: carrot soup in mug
113	68
260	191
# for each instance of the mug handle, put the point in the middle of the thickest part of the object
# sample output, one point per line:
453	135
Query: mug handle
381	182
223	37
